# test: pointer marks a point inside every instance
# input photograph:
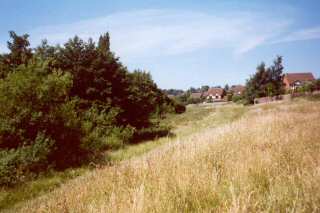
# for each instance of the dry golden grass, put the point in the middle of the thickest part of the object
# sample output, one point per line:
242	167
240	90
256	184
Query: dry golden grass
267	161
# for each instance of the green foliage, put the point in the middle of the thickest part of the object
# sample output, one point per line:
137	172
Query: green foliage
60	105
306	87
266	81
101	131
316	84
237	98
33	102
31	158
20	53
204	88
179	108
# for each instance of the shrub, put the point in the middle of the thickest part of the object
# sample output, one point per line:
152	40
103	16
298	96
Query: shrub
179	108
150	133
15	164
33	102
101	131
237	98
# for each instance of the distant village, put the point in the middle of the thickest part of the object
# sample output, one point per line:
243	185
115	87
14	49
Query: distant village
293	83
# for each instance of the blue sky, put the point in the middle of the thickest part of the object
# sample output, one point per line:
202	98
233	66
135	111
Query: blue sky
182	43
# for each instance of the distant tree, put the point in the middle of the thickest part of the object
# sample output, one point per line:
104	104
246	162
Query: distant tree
275	78
255	86
174	92
226	87
266	81
192	90
20	52
104	43
204	88
44	51
316	84
226	90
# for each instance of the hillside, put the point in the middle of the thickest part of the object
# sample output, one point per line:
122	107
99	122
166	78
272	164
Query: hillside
227	158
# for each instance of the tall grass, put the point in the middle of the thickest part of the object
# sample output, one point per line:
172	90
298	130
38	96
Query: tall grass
268	161
196	119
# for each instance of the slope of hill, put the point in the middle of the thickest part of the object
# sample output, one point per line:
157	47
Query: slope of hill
267	160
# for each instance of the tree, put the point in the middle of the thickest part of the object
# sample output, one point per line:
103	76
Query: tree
104	43
192	90
275	75
20	52
61	104
226	88
34	104
266	81
204	88
316	84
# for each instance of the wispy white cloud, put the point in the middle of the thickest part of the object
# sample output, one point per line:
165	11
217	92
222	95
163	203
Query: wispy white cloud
300	35
146	33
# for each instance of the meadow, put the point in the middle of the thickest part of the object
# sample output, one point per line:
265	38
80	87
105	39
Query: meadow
230	158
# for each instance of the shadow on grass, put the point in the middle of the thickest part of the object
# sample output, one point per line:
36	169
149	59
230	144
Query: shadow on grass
151	133
53	179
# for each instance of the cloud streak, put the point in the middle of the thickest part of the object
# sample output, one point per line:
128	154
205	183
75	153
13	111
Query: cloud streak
301	35
145	33
148	33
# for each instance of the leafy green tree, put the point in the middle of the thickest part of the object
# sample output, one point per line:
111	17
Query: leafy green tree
226	88
33	103
61	104
104	43
20	51
45	52
316	84
266	81
275	77
143	99
204	88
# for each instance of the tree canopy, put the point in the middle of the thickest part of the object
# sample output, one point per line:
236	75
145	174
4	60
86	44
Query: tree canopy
266	81
63	104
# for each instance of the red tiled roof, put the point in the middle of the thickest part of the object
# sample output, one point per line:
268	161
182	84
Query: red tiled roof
238	89
293	77
214	91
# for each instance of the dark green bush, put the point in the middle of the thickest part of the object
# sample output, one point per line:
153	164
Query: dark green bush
101	131
16	164
150	133
237	98
179	108
34	102
61	105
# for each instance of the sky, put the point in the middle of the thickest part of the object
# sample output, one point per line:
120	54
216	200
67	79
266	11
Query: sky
182	43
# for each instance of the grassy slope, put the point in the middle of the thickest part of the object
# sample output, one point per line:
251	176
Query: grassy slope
268	160
184	124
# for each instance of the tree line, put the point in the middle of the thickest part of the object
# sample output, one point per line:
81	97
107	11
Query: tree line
63	105
268	82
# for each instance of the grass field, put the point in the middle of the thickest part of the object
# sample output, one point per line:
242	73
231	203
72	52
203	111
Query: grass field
224	159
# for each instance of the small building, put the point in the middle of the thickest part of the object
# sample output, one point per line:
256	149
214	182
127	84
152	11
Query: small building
237	89
214	94
196	95
293	81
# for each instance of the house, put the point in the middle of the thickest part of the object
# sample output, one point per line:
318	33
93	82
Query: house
237	89
294	80
214	93
196	95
